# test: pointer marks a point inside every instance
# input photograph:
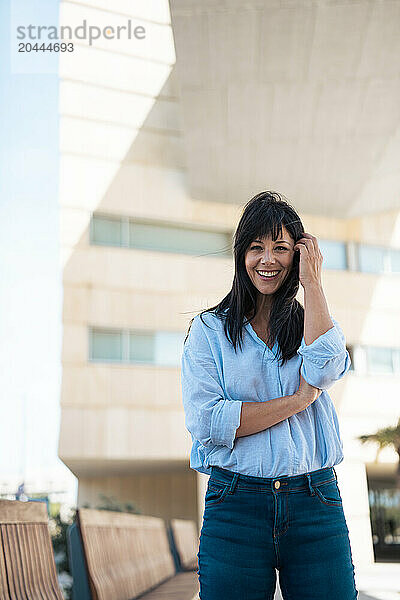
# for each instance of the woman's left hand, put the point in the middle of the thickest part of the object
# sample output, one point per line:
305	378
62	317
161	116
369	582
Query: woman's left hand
310	260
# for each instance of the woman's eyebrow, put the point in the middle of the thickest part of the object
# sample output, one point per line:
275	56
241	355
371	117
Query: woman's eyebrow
276	241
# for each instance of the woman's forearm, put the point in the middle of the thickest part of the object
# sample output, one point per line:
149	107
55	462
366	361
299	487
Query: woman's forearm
316	313
257	416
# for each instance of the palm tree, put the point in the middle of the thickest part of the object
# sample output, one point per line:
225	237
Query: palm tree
389	436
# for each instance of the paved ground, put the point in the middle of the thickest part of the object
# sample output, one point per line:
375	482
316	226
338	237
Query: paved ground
379	581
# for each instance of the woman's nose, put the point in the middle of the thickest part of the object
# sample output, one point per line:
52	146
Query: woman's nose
267	257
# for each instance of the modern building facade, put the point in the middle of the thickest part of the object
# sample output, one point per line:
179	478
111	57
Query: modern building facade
152	181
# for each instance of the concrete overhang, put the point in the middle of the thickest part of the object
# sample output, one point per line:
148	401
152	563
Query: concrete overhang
103	467
301	97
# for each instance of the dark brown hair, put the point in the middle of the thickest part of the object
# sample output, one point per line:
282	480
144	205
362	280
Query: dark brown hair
263	216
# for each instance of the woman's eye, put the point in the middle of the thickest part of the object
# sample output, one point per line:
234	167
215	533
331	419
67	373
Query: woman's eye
276	248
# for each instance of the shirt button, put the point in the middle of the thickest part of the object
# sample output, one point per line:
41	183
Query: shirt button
277	485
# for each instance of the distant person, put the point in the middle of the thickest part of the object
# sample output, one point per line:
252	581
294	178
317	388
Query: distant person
255	372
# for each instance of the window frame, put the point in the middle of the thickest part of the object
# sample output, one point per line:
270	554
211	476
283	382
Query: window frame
126	343
126	241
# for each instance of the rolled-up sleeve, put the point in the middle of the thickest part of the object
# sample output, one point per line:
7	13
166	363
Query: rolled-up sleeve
209	417
326	359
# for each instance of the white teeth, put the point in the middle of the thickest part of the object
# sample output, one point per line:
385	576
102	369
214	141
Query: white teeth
268	273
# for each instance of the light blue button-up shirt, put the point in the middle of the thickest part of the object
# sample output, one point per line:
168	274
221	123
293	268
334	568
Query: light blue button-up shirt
216	381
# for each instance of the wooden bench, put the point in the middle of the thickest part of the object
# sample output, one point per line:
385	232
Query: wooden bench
27	567
186	541
128	556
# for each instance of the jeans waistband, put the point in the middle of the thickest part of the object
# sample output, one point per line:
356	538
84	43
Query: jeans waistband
274	484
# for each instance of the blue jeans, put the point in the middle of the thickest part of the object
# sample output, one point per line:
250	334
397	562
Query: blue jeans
254	525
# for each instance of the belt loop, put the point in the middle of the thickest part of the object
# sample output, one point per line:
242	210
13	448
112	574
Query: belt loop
310	487
233	483
334	472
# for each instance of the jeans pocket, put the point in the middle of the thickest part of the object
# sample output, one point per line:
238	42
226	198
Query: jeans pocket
215	493
328	493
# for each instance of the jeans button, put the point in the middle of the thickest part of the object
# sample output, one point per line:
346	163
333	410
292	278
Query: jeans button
277	485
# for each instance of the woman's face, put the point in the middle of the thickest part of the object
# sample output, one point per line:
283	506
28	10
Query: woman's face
268	262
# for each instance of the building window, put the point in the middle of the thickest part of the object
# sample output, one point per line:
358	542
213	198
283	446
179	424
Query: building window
395	261
162	348
141	347
379	360
159	237
110	230
396	360
373	259
163	238
168	347
106	231
334	254
106	345
374	360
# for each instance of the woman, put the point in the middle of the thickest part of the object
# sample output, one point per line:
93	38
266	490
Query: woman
255	372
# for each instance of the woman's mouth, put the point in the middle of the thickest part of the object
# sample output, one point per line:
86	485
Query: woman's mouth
267	275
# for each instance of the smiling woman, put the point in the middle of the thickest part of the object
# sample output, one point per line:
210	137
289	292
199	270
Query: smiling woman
266	277
270	260
255	372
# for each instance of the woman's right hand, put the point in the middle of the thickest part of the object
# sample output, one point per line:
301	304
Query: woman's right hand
306	394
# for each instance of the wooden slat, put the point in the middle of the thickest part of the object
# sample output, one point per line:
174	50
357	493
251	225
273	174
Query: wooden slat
13	574
26	532
27	567
187	542
126	554
3	573
12	511
184	586
108	518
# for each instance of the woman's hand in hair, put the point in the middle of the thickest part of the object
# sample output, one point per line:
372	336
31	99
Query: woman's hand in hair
310	260
306	394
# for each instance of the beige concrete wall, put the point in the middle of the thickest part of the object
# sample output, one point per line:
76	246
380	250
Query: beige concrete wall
167	495
122	153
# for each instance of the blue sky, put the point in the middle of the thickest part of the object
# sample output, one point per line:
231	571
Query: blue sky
30	276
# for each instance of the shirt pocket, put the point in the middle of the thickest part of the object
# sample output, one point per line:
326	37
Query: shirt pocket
245	377
246	384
